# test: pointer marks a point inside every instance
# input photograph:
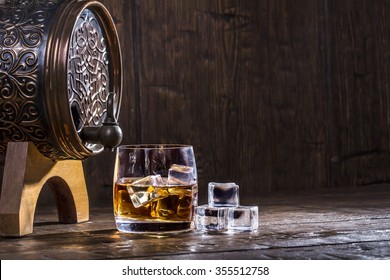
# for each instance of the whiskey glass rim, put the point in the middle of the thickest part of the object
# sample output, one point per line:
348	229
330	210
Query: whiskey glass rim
154	146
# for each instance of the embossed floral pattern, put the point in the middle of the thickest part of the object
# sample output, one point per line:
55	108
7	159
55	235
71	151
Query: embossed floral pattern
22	25
88	70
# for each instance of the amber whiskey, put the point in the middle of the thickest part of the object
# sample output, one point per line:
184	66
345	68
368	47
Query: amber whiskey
155	208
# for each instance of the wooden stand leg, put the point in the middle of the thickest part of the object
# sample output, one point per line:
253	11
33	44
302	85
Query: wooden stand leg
26	170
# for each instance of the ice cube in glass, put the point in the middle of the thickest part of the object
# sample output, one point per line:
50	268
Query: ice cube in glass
180	175
144	191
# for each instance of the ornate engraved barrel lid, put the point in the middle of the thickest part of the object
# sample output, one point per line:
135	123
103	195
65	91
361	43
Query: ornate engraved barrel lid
59	60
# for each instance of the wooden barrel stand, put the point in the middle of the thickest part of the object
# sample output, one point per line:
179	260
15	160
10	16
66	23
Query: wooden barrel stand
26	171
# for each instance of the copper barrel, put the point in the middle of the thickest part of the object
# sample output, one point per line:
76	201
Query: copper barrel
59	62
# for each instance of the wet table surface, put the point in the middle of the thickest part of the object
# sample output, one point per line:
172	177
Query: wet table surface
350	223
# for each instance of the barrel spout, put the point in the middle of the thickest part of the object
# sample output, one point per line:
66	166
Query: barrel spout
109	134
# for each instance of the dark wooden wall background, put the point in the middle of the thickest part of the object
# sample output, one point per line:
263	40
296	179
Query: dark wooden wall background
276	95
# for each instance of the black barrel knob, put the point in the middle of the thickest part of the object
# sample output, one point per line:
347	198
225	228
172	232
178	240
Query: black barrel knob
109	134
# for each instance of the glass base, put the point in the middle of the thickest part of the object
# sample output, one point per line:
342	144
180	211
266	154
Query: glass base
152	227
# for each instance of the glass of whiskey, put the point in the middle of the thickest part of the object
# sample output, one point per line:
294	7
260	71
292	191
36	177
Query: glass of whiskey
155	188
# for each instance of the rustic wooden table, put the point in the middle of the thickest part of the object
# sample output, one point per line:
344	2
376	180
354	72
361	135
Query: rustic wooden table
336	224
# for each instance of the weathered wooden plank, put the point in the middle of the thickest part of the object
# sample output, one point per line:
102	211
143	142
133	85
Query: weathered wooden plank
359	45
108	244
351	224
243	81
354	251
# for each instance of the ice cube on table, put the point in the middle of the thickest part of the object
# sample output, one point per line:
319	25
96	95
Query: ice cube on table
223	194
211	218
243	218
144	191
180	175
